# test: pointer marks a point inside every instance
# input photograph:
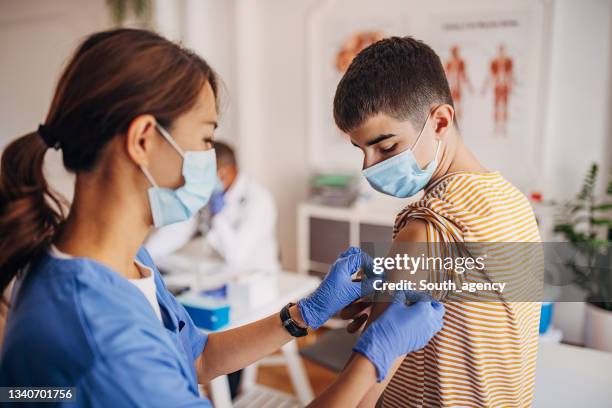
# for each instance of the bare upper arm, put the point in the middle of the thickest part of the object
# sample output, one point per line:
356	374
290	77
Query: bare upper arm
415	231
411	241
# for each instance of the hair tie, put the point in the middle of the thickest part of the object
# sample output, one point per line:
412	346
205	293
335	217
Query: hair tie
48	136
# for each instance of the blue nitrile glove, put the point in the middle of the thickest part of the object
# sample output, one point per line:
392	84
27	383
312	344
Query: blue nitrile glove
216	203
337	289
400	330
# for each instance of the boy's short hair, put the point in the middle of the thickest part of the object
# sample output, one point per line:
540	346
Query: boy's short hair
399	76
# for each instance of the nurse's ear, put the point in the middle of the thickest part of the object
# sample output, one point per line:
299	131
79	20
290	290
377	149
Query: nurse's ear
140	139
442	119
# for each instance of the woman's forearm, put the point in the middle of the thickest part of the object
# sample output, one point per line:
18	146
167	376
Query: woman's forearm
231	350
350	387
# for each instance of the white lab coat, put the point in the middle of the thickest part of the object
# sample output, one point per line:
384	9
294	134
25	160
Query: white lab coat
243	233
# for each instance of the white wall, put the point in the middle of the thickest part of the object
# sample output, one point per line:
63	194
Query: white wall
272	130
36	40
579	129
209	30
207	27
579	109
37	37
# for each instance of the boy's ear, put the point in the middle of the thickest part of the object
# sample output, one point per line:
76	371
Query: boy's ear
139	139
443	116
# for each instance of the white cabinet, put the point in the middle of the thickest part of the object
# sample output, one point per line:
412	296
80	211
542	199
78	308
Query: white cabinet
324	231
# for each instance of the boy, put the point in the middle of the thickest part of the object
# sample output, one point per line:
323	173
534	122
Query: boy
395	104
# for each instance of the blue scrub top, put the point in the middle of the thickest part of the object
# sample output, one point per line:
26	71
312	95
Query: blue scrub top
77	323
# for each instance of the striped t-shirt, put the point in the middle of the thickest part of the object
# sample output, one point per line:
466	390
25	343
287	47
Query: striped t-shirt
485	355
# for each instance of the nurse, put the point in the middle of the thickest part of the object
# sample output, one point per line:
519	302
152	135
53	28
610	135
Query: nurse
134	116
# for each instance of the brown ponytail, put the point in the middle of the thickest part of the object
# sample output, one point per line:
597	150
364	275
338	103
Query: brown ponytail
113	77
30	211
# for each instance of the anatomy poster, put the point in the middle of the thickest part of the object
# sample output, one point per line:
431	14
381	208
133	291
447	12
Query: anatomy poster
337	31
494	54
493	63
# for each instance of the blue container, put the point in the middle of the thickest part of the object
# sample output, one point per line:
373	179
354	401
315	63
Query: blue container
546	315
206	312
218	293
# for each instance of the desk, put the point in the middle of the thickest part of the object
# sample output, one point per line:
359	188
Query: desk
569	376
291	287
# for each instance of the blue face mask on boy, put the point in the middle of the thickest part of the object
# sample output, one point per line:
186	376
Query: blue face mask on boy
199	171
400	175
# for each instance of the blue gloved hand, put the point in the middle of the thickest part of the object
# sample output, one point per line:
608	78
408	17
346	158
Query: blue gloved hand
216	203
337	289
400	330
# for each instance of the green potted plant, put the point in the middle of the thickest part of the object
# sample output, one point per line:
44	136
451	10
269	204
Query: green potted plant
131	13
586	222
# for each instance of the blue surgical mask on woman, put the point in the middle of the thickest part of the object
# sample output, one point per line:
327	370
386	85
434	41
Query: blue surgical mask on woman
199	170
400	175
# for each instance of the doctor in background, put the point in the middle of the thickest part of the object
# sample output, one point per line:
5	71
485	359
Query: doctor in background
238	226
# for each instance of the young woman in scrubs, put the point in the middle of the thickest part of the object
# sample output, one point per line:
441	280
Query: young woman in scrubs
134	116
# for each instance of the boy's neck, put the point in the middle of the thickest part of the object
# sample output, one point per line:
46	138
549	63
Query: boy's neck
456	157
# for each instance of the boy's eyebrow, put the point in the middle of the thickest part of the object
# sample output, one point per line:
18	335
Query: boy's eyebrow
379	139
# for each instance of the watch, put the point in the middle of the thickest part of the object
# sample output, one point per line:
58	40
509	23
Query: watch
290	325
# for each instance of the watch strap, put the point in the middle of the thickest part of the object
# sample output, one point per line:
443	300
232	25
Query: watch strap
289	324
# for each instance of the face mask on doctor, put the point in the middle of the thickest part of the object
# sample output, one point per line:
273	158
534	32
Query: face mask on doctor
400	175
199	170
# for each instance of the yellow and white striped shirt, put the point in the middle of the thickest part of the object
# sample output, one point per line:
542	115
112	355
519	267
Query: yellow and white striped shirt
485	355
